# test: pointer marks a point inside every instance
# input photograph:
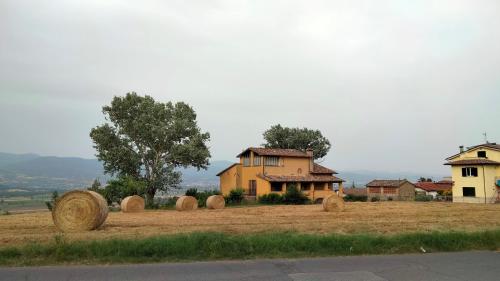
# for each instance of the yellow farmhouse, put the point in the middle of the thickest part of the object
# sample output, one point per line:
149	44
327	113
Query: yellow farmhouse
265	170
476	174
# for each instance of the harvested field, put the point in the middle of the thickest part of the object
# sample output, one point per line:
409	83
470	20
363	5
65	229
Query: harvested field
377	217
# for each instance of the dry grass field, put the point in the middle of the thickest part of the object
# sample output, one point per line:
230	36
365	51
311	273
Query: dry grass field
378	217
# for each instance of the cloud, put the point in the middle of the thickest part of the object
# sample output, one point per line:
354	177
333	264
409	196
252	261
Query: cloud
396	85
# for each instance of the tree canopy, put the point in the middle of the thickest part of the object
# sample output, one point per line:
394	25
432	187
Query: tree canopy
147	140
297	138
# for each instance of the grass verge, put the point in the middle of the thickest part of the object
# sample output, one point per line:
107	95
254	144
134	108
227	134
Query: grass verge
215	246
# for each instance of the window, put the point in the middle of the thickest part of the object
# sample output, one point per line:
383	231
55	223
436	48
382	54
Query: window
469	172
276	187
305	186
252	187
271	161
246	159
469	191
319	186
256	160
481	154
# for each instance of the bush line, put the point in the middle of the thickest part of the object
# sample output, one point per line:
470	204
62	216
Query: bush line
217	246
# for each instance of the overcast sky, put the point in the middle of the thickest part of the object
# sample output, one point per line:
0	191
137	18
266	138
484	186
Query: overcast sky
395	85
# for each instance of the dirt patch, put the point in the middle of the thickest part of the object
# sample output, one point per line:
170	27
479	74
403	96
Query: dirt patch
377	217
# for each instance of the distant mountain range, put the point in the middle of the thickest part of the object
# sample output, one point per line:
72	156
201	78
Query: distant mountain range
35	172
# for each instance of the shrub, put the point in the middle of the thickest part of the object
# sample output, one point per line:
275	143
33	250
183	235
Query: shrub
294	196
235	196
50	204
202	196
423	198
355	198
271	198
375	199
192	192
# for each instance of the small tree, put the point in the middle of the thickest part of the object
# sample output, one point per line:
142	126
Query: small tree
50	204
120	188
96	185
297	138
294	196
235	196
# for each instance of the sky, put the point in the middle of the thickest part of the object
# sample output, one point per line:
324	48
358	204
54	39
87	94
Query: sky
394	85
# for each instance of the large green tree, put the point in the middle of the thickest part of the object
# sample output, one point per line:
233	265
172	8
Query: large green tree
148	140
297	138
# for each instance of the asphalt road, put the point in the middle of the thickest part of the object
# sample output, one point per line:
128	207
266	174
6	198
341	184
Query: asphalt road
440	266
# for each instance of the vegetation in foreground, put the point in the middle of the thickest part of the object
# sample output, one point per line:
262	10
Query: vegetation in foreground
213	246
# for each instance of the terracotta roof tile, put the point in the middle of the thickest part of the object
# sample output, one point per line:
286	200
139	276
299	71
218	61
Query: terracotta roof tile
474	161
309	178
434	186
383	183
318	169
221	172
275	152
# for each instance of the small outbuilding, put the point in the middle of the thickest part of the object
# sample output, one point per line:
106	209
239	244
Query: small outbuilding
401	190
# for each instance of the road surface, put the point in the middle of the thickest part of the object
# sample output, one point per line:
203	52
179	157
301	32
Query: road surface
440	266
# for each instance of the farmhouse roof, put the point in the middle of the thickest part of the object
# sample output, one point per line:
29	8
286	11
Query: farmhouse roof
222	172
275	152
493	146
388	183
309	178
434	186
478	161
355	191
318	169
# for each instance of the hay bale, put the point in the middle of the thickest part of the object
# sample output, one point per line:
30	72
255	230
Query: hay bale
132	204
79	210
216	202
186	203
333	203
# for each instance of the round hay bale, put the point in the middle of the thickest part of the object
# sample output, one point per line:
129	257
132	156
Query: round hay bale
333	203
216	202
79	210
132	204
186	203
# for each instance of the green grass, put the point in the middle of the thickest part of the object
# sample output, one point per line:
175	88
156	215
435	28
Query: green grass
217	246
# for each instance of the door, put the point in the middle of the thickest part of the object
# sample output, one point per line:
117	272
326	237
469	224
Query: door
252	187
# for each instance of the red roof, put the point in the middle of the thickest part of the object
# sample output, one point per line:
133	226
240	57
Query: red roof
474	161
310	178
276	152
386	183
434	186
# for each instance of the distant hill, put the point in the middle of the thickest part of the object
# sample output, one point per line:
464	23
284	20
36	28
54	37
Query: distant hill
33	171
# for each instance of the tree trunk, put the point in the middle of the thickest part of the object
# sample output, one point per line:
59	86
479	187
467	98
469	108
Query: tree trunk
150	195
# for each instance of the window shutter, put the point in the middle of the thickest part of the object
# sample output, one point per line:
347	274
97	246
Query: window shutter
464	173
474	172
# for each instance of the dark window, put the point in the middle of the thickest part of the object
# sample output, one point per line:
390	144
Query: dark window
319	186
305	186
276	186
469	191
481	154
469	172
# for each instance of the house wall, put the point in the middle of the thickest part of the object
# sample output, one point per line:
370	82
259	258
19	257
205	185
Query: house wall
486	191
406	192
230	179
289	166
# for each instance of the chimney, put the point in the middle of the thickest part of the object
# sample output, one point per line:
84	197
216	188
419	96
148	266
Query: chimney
310	154
461	148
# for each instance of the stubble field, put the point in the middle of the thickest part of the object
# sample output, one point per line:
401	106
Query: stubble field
378	217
